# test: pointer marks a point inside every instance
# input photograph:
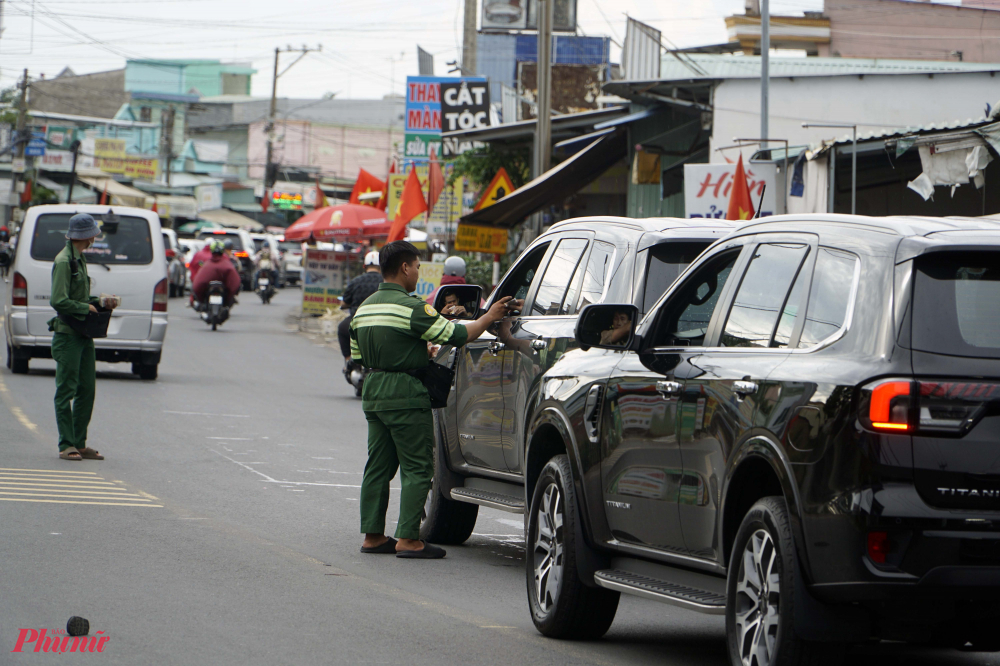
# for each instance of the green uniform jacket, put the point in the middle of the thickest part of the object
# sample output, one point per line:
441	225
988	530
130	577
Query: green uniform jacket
390	331
70	292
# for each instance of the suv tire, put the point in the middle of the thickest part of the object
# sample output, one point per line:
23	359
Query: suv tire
564	607
145	371
18	364
763	560
446	521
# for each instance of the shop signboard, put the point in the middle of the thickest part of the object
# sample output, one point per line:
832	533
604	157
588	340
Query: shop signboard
465	105
110	148
446	211
424	110
59	137
475	238
324	276
523	15
141	168
36	145
430	279
286	200
707	188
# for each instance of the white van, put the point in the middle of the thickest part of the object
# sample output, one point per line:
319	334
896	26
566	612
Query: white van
128	260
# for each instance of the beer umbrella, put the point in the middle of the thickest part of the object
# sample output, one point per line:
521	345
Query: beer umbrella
339	224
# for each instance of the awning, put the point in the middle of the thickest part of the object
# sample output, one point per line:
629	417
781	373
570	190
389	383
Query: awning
555	184
121	195
81	194
227	218
177	206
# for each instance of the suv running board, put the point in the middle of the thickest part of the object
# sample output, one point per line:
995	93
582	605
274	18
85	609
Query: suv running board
668	585
490	499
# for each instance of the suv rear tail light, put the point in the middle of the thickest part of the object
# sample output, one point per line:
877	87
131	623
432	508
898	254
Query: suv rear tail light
242	255
19	290
878	546
160	296
930	407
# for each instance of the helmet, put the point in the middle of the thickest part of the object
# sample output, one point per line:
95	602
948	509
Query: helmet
454	266
227	244
371	259
216	247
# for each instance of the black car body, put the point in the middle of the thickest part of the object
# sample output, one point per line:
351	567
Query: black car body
803	434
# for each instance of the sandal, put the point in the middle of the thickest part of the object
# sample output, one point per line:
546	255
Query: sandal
428	552
70	454
386	548
90	454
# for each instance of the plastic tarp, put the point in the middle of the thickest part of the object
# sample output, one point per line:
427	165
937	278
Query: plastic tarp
227	218
121	195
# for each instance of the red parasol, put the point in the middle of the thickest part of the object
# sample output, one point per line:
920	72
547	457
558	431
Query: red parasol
346	222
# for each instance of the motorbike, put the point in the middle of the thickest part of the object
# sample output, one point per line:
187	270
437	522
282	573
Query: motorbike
355	374
215	312
264	286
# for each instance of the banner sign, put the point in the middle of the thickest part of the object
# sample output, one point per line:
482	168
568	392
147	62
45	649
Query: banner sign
141	168
425	106
430	279
464	106
474	238
324	276
110	148
707	188
446	211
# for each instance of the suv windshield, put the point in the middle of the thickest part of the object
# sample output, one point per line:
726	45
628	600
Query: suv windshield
125	239
956	304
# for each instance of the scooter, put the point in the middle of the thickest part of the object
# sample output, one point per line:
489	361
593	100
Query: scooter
355	374
264	287
215	311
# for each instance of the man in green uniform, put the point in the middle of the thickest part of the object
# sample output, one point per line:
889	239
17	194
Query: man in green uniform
74	353
393	332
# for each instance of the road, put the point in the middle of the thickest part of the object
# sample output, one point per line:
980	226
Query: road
223	527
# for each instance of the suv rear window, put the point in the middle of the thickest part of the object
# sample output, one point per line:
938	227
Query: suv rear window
235	238
125	239
956	304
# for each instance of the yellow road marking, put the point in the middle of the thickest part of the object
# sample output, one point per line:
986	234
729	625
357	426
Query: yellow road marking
53	475
147	495
55	484
60	479
74	495
54	471
16	411
15	499
74	491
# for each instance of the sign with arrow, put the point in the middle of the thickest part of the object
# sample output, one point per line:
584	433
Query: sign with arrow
498	188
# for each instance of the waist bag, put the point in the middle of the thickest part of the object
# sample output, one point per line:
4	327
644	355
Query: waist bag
437	379
94	326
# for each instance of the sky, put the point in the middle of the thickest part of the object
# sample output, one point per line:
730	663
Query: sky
368	46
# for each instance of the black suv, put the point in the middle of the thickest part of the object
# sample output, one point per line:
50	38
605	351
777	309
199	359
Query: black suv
802	434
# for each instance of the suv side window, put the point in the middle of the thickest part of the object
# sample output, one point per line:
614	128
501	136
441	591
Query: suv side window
598	273
832	287
557	288
518	282
689	311
666	262
762	294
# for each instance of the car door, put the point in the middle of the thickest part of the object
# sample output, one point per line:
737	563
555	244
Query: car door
536	338
478	386
723	384
642	469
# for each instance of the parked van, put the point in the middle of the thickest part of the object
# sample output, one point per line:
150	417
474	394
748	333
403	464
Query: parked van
128	259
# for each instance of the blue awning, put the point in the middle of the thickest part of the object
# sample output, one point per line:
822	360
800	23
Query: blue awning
631	118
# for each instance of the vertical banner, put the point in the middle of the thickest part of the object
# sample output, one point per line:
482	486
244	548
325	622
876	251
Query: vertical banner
424	108
324	276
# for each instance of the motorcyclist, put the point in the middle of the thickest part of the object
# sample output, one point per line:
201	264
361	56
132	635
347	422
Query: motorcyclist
355	294
199	259
5	248
218	268
454	273
265	262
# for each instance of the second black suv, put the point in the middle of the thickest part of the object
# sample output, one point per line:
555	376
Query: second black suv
802	435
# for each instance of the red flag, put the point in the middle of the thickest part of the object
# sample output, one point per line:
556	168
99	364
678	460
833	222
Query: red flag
411	204
435	183
264	203
321	201
154	208
384	201
26	195
365	183
740	204
104	194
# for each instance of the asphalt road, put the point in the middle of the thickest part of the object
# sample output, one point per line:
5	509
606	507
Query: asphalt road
223	528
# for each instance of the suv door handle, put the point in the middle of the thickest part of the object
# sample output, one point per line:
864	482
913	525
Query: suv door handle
495	347
538	344
668	388
744	388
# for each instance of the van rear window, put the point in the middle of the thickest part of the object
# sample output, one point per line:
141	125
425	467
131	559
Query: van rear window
956	304
125	239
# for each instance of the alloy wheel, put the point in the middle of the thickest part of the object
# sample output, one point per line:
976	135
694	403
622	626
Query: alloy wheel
548	548
758	593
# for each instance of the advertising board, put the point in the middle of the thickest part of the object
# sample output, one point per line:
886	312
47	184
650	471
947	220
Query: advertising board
707	188
324	276
424	110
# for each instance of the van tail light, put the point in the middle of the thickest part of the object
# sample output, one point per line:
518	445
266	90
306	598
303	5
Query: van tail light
160	296
171	253
242	255
928	407
19	290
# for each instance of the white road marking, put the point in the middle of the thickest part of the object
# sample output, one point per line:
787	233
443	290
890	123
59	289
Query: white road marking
233	439
269	479
231	416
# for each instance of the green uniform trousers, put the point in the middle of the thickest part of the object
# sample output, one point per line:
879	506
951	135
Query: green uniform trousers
397	439
76	375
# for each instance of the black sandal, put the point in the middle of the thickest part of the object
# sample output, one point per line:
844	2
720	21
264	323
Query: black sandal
428	552
386	548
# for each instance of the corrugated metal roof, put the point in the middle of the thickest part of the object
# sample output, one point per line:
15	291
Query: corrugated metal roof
954	125
726	66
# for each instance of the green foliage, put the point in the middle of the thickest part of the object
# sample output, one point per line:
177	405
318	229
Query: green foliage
480	165
480	271
11	96
41	195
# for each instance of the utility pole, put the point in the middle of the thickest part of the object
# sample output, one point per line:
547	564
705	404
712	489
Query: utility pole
270	168
19	139
469	38
167	141
543	124
75	147
765	74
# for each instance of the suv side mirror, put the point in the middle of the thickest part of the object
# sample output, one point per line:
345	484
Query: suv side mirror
465	298
607	326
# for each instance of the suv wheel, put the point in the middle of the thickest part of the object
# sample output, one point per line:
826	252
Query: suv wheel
145	371
18	364
561	605
759	613
446	521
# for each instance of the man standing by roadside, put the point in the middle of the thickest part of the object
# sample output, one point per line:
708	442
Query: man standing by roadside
392	333
76	373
